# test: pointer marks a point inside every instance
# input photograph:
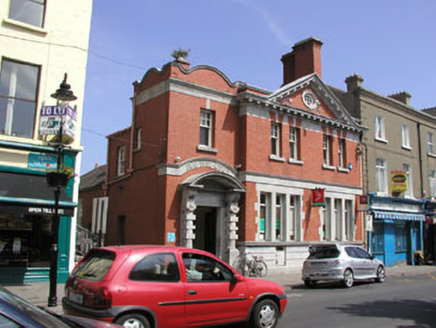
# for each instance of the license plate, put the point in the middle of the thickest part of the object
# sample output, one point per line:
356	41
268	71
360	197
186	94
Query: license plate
76	298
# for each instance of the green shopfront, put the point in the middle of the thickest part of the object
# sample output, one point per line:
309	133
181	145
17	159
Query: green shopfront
397	228
26	216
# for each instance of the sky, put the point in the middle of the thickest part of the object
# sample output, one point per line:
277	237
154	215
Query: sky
390	43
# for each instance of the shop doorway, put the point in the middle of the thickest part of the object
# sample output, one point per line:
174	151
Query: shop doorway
206	229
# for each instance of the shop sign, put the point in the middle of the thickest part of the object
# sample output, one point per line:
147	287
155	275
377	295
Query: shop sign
318	197
50	122
45	210
171	237
399	181
41	161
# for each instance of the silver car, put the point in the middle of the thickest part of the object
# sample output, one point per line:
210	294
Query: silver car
343	263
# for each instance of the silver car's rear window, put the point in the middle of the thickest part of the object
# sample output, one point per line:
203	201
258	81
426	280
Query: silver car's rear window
95	265
323	252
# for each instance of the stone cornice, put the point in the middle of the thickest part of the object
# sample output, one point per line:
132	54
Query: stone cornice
398	105
265	102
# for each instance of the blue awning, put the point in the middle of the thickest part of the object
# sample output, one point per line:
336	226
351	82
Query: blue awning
386	215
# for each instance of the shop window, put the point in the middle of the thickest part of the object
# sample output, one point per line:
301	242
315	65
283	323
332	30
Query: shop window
279	217
349	220
327	220
338	219
263	211
377	244
400	237
294	219
27	11
18	96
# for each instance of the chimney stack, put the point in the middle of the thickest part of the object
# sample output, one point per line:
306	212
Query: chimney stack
403	97
304	59
353	82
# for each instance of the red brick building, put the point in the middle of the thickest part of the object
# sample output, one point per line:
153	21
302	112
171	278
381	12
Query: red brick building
225	166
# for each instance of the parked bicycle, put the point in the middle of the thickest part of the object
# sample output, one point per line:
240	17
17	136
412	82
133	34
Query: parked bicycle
250	266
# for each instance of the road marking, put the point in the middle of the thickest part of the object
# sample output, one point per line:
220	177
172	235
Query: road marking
431	276
293	295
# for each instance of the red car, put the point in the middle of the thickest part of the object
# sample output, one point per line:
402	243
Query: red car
162	286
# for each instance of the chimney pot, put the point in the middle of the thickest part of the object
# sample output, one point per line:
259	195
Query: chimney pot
402	96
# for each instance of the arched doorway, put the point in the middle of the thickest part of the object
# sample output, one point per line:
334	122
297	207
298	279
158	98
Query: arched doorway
209	211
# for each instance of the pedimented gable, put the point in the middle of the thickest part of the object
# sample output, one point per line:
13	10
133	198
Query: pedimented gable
310	94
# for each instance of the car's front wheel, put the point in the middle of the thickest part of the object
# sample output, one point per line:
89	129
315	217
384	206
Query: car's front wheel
133	320
309	283
265	314
381	274
348	278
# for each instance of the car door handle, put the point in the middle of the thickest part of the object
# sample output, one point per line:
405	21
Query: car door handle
192	292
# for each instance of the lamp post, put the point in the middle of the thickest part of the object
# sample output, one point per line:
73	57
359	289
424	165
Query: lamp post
63	95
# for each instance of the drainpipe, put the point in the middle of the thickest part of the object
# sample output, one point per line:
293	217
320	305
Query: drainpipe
420	161
421	176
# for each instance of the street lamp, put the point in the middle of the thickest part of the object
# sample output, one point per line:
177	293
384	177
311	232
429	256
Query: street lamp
63	95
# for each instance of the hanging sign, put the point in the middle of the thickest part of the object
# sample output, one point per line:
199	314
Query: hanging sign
318	197
50	121
398	181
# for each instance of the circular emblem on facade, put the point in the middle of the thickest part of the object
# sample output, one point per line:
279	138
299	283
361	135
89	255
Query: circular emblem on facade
309	99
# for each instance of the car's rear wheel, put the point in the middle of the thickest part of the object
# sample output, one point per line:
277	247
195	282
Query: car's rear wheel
265	314
348	279
309	283
381	274
133	320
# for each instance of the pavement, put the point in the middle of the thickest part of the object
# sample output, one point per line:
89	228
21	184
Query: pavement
37	293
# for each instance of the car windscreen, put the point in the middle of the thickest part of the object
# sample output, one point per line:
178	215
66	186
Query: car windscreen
323	252
29	310
95	265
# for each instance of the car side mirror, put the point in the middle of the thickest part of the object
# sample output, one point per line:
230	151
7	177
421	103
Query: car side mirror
236	278
372	257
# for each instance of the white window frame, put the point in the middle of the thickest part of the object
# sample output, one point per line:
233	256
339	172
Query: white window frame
408	169
349	220
337	209
280	200
13	99
342	153
432	183
430	144
206	123
264	206
139	139
275	139
28	7
294	218
405	136
121	164
380	128
326	147
381	176
293	143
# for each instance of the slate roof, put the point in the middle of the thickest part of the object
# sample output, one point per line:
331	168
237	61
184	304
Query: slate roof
93	178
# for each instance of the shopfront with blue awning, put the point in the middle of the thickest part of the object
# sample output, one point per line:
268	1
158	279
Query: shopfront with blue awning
397	229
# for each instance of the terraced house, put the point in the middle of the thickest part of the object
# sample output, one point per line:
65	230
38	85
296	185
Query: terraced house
37	47
399	142
229	167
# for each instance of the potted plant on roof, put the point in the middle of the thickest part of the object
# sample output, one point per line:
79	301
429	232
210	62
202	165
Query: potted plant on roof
59	176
